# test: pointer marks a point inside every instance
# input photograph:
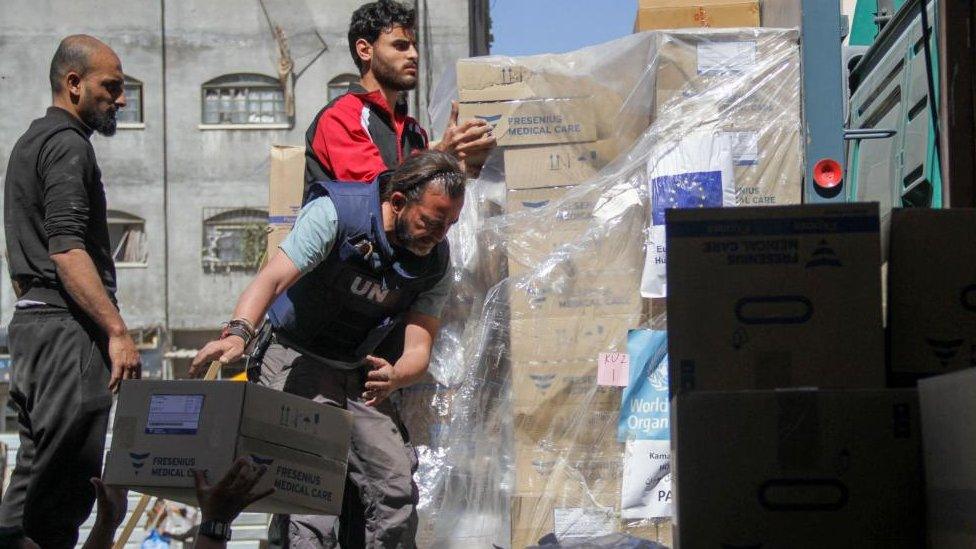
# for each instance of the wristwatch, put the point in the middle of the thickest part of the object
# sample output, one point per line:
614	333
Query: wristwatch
215	529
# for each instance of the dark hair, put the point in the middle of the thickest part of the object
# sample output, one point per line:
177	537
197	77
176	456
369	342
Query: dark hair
372	19
421	170
73	54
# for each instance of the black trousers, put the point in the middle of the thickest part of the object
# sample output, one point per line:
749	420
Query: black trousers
59	387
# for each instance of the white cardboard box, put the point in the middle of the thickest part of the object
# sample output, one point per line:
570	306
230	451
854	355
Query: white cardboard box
949	440
165	429
774	297
797	469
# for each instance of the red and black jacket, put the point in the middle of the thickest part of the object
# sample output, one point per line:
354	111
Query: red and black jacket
356	137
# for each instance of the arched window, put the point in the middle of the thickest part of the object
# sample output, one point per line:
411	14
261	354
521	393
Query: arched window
234	238
127	236
244	99
340	85
131	115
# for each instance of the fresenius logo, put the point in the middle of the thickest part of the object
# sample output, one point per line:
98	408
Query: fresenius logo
823	256
491	120
542	381
944	349
258	460
534	203
138	460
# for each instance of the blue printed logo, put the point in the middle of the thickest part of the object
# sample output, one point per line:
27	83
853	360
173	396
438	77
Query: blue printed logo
258	460
543	381
685	190
823	256
138	460
491	120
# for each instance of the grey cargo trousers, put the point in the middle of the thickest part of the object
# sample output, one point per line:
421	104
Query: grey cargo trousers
380	504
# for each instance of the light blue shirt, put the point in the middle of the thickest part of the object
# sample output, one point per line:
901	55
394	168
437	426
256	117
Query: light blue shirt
311	239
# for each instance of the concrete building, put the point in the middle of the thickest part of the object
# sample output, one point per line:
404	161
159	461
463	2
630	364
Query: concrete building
186	175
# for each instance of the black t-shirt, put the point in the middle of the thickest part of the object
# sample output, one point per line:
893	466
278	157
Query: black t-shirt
54	201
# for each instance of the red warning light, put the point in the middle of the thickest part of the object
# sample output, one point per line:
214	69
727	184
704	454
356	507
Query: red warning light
827	173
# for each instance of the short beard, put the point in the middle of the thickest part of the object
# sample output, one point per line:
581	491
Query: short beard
406	240
104	123
387	77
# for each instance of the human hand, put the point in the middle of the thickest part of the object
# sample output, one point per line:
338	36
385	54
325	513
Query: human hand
381	380
111	504
227	350
232	494
125	360
470	141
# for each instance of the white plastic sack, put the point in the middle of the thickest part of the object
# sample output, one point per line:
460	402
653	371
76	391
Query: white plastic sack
696	173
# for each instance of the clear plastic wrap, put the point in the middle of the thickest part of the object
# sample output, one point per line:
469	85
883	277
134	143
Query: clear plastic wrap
516	438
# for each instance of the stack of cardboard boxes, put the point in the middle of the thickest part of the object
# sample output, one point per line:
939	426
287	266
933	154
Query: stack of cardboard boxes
553	133
575	251
744	82
783	433
932	329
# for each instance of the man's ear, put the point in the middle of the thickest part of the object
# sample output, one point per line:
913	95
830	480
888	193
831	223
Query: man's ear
365	51
73	84
398	201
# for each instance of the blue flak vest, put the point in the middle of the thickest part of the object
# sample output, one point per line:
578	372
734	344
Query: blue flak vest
344	307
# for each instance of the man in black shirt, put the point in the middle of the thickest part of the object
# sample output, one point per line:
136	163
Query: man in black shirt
68	344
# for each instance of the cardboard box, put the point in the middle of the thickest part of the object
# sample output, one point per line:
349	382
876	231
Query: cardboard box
796	468
678	14
759	71
560	471
932	292
508	79
580	293
285	190
573	236
770	297
570	517
287	184
768	165
949	440
276	235
568	338
570	423
536	122
540	384
556	165
165	428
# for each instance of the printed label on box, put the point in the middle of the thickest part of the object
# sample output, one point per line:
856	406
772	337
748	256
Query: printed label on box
726	57
174	414
584	522
745	148
612	369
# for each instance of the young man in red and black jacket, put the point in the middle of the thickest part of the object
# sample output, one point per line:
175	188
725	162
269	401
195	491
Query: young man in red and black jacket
367	131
